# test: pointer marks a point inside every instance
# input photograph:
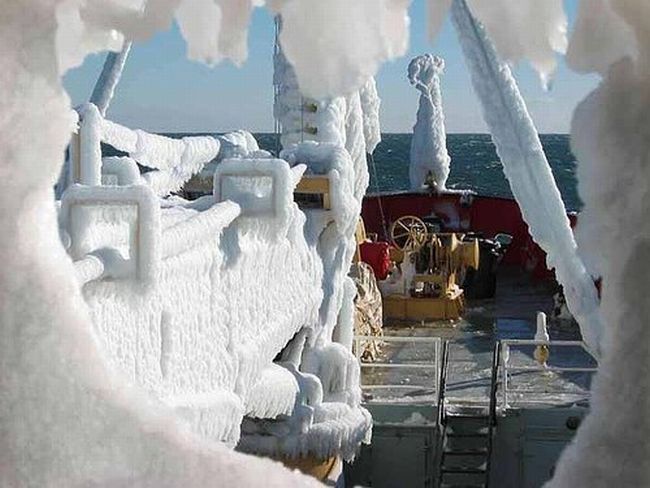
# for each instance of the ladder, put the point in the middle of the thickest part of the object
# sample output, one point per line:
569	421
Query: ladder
465	447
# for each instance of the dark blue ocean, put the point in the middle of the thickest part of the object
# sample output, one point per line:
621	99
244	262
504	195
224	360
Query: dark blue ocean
474	164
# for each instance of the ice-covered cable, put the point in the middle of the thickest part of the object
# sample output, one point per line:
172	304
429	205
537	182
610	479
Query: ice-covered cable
429	143
527	170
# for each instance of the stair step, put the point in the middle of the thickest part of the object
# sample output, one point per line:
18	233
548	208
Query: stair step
466	452
463	470
476	435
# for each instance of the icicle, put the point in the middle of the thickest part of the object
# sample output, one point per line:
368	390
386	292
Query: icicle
429	143
527	170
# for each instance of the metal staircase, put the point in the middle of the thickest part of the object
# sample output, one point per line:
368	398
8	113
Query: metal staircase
465	448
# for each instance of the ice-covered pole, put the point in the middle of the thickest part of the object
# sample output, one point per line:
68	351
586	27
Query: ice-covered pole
527	169
109	78
429	144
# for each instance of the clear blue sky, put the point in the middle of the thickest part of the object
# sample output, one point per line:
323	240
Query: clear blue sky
162	91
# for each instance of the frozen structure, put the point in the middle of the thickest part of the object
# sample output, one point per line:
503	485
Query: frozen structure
71	416
429	154
189	298
527	170
350	121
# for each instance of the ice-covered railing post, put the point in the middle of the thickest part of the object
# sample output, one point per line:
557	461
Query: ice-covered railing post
85	162
429	144
527	170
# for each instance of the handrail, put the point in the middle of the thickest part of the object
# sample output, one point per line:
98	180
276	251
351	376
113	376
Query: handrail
505	345
443	382
434	364
494	384
198	229
89	268
492	417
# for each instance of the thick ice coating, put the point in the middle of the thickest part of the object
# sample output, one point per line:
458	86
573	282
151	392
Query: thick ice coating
610	139
600	37
354	37
527	170
523	29
370	103
429	143
69	420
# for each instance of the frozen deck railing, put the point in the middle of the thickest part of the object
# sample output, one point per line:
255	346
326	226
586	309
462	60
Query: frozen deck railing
400	388
401	375
550	376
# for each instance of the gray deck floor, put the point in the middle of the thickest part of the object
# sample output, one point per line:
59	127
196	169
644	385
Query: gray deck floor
510	315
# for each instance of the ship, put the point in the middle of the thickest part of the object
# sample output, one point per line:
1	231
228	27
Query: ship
220	303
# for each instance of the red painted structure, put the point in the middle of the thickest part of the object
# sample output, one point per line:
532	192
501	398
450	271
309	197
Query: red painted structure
461	213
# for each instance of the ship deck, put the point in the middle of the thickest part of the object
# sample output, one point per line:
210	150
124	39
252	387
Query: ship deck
510	315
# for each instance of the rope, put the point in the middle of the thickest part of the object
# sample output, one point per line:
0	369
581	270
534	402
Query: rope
381	206
302	119
277	128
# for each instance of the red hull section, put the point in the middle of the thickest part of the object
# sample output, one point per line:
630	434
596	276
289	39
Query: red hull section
486	215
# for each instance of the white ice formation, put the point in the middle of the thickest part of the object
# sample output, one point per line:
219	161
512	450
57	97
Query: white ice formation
354	38
172	161
610	134
523	29
370	103
429	143
527	169
96	384
350	121
68	418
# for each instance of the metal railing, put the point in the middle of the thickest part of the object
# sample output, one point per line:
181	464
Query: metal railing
444	367
433	364
507	370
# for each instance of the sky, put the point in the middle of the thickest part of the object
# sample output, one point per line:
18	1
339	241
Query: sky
162	91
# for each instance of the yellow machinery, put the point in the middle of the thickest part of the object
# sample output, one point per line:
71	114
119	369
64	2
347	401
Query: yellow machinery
431	265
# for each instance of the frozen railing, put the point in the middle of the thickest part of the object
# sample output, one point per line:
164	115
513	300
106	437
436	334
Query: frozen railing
198	229
559	372
112	232
263	188
115	232
89	268
412	375
174	161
